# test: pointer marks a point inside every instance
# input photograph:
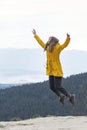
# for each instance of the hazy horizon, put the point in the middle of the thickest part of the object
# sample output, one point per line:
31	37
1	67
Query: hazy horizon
28	65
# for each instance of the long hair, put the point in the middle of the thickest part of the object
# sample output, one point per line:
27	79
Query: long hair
53	41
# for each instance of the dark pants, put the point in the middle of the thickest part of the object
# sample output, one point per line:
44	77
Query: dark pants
55	86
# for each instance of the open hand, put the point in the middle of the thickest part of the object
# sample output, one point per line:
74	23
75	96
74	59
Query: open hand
68	35
34	31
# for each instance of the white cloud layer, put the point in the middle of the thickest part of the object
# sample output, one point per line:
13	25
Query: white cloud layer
48	17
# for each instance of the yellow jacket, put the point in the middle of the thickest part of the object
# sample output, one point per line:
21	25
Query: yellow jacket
53	65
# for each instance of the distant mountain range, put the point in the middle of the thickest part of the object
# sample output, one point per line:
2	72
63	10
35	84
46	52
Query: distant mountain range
28	65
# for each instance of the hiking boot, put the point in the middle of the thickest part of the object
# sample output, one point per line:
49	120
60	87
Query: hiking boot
62	99
72	99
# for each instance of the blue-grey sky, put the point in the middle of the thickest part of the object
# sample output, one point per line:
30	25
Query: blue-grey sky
48	17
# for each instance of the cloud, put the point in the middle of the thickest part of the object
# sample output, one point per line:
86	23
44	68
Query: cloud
48	17
32	7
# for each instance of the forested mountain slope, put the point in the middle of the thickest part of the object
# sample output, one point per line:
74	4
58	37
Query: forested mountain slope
37	99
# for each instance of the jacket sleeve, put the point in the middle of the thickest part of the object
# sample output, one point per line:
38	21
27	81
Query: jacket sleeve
65	44
39	40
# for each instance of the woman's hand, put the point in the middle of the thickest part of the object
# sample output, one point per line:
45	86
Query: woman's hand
34	31
68	36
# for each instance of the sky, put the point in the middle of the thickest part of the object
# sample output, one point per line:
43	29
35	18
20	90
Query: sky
48	17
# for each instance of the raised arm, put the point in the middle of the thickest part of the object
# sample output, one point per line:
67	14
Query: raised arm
38	38
65	44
